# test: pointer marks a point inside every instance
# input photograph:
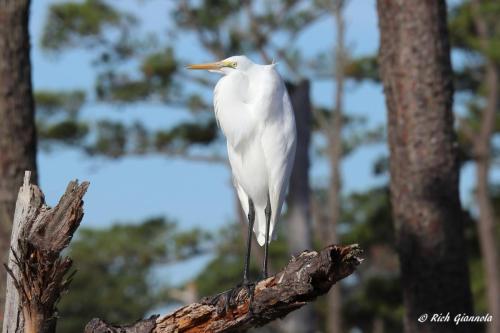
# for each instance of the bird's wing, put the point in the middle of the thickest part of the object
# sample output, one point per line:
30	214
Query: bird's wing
278	143
232	109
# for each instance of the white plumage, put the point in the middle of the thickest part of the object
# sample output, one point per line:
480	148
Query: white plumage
254	112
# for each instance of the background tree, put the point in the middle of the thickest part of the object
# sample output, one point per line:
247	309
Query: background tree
335	142
299	220
416	73
474	96
476	32
17	124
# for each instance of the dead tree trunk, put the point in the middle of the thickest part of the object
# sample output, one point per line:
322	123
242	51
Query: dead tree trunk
416	73
307	276
37	273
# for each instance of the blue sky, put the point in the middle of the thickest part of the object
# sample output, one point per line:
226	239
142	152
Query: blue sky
194	194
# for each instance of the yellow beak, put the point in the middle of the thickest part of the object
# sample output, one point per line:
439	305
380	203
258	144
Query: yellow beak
208	66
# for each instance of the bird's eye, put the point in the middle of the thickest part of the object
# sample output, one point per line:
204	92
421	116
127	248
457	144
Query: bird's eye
234	64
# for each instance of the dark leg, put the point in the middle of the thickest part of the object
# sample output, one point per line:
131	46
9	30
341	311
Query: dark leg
266	245
228	296
251	220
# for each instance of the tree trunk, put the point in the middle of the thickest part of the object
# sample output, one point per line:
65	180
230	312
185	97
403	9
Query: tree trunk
17	125
416	73
482	154
299	234
334	319
486	225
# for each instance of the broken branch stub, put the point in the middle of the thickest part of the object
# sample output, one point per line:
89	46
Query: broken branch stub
37	273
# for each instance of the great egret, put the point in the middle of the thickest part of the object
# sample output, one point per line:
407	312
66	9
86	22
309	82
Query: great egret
254	112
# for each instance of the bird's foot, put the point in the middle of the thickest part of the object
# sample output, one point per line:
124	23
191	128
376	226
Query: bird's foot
228	300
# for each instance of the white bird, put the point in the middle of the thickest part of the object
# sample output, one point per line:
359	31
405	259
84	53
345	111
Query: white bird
253	110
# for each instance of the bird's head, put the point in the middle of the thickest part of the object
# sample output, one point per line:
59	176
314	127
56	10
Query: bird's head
226	66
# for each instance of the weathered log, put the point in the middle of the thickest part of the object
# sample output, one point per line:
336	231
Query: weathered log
37	272
305	277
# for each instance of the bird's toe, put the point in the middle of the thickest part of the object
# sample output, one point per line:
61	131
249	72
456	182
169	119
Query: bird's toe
228	300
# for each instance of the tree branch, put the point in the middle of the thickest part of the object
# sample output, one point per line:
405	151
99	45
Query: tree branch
304	278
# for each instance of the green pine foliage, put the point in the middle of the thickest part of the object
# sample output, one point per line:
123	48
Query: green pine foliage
57	118
70	22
